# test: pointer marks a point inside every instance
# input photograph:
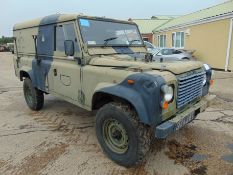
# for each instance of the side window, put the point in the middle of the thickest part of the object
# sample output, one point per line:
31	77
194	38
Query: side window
60	38
167	52
164	52
45	40
65	32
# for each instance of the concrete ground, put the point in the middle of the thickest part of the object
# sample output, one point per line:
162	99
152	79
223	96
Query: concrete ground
61	139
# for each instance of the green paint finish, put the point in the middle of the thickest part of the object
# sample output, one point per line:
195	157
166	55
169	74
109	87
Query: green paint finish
115	136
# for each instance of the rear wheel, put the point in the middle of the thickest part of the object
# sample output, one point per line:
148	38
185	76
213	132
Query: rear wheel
122	137
33	97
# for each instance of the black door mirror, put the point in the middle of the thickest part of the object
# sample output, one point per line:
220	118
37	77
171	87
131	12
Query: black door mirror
69	47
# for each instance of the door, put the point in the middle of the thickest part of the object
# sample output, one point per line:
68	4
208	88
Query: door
65	69
41	65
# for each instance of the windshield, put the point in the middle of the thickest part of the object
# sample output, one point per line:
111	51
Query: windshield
105	33
149	45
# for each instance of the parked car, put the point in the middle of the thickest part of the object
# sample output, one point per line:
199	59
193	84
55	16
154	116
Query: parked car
171	54
10	47
3	48
149	46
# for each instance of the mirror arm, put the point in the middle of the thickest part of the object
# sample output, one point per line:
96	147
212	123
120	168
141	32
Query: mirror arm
79	60
85	47
35	44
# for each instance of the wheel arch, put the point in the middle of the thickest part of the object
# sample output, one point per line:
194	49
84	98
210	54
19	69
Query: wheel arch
24	74
101	98
123	94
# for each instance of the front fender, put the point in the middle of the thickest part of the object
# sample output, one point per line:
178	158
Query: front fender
132	96
30	73
144	95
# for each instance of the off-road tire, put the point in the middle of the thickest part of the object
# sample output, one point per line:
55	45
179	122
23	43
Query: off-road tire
139	134
33	97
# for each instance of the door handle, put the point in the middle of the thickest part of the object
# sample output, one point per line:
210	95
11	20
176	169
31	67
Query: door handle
55	72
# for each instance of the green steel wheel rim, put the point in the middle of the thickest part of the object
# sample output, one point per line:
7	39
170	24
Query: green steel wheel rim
115	136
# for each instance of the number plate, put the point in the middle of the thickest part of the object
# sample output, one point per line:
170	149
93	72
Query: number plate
185	121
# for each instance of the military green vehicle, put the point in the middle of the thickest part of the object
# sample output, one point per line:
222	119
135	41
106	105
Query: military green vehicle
102	64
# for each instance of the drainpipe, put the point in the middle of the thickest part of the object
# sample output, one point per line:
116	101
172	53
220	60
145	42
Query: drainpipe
229	44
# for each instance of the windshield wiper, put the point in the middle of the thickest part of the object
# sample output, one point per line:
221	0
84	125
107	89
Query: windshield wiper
132	41
108	39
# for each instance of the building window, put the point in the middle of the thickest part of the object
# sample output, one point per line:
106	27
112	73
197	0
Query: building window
178	39
162	41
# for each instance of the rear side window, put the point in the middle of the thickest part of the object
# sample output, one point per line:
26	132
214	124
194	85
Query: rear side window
60	38
45	40
65	32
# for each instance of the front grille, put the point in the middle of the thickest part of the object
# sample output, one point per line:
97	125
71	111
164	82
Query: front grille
189	88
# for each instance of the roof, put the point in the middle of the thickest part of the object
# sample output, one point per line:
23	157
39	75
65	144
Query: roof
45	20
148	25
53	19
208	13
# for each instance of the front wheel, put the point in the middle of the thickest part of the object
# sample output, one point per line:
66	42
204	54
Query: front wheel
122	137
33	97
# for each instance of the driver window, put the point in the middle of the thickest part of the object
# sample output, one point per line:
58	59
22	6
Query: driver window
65	32
167	52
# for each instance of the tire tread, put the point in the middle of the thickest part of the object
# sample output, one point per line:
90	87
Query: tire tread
143	131
38	96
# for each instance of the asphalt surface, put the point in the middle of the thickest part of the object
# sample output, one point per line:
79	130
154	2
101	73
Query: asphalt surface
61	139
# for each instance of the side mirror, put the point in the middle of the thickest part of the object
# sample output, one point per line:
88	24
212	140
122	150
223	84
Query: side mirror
69	47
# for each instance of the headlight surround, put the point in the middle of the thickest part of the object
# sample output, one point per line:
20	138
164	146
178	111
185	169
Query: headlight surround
168	92
204	80
207	68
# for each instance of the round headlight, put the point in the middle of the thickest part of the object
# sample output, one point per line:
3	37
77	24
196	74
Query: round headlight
204	80
207	67
168	92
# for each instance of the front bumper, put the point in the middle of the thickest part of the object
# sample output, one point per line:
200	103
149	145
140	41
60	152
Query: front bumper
180	120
